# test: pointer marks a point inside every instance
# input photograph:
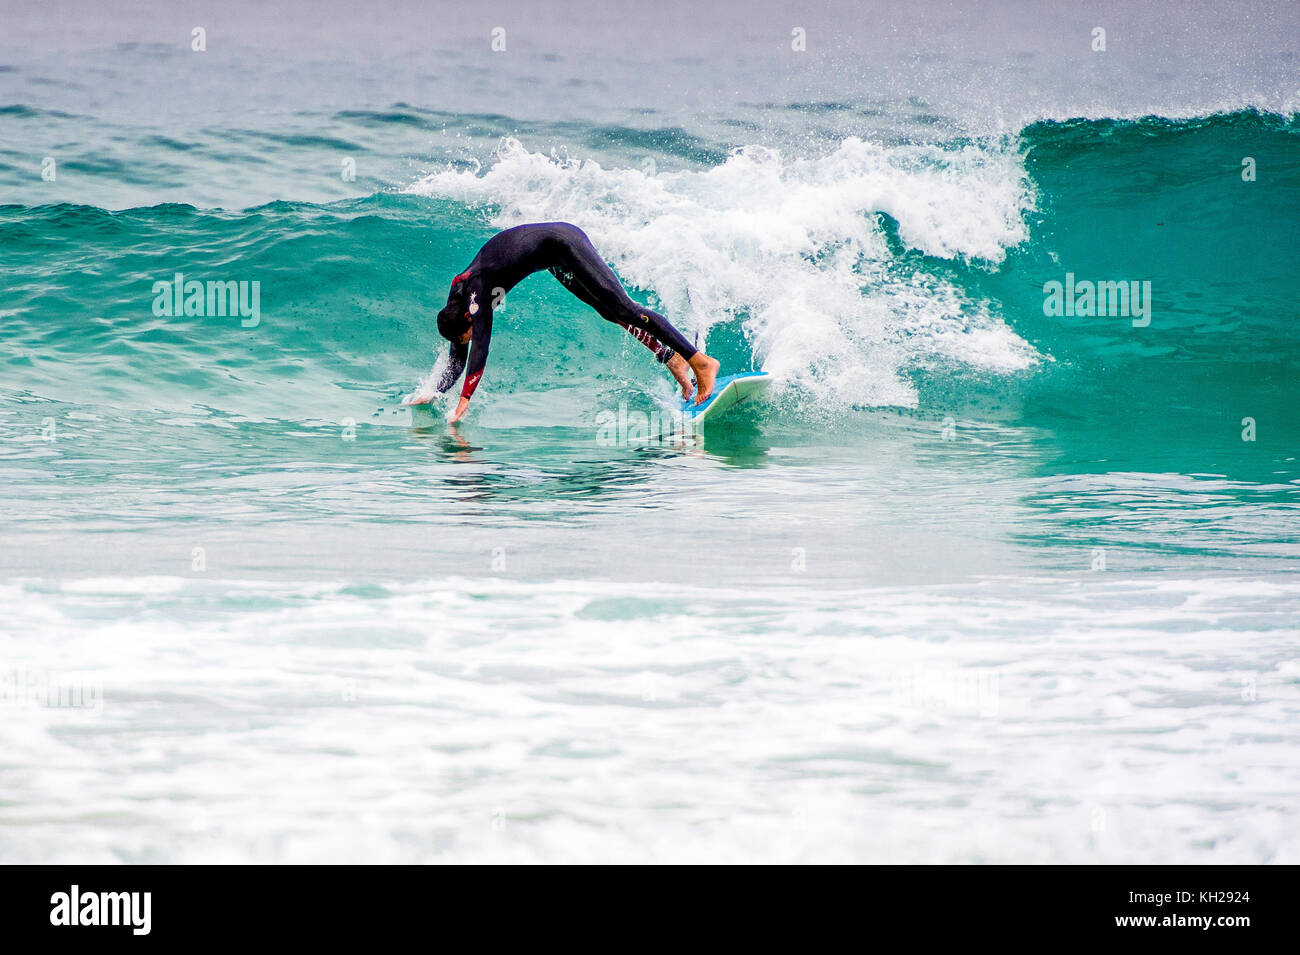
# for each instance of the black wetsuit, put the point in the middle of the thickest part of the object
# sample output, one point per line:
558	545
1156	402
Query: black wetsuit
509	257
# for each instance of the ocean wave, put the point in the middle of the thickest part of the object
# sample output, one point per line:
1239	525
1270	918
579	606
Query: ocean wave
793	249
903	275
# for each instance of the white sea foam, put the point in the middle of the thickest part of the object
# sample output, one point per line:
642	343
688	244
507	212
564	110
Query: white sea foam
1049	720
794	248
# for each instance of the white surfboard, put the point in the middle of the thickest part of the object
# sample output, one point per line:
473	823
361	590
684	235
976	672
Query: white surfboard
727	393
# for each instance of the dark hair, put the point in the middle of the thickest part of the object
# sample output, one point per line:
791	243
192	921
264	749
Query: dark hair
452	321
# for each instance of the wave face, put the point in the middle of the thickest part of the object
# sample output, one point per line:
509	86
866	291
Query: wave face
791	253
907	276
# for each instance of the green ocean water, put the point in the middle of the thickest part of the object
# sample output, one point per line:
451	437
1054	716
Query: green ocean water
348	288
974	577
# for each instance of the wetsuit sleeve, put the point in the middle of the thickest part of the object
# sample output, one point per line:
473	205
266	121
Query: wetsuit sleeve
455	365
480	312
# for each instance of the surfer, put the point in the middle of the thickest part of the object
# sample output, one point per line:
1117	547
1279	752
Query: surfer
563	249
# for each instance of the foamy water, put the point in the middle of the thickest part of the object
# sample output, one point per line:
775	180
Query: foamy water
591	722
790	249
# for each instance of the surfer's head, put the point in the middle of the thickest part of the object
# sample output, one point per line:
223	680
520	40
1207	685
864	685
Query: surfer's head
453	323
453	319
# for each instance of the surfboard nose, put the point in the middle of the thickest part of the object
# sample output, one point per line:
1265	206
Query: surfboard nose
728	391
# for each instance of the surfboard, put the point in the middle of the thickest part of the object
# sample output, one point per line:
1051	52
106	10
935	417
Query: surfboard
728	392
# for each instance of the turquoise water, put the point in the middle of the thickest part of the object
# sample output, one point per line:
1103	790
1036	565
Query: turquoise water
977	583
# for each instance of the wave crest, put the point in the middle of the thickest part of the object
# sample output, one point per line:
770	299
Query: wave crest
797	250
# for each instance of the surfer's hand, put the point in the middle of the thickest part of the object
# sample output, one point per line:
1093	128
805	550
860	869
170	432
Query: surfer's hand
461	407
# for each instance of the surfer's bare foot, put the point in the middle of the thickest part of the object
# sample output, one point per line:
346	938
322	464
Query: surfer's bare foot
682	372
706	369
